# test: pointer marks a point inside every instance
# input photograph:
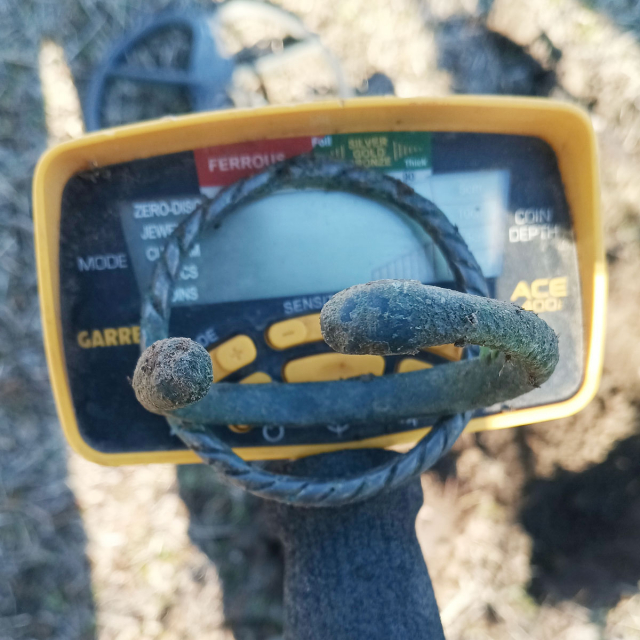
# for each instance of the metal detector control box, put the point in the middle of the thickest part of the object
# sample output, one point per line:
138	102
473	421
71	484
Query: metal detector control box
517	177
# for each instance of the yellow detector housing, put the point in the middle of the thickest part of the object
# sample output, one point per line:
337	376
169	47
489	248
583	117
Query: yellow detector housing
517	176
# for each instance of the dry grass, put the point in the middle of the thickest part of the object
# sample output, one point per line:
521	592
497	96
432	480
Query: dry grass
533	533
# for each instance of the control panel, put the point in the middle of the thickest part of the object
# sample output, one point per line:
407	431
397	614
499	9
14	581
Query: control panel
251	292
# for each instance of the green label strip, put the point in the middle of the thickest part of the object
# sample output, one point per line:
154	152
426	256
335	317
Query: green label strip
393	151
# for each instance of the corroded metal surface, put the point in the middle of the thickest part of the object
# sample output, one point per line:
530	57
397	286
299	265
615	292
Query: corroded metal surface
391	317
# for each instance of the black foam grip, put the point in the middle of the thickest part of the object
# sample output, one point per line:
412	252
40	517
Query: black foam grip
357	571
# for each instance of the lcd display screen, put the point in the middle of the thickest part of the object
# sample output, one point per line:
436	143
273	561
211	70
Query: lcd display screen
301	242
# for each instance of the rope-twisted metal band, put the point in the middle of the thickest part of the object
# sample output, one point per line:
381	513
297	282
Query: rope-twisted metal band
385	398
316	492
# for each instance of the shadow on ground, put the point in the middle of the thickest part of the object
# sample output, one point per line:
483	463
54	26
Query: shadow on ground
45	590
45	583
482	61
584	528
229	526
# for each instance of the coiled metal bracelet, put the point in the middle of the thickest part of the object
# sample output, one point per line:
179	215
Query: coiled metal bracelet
384	317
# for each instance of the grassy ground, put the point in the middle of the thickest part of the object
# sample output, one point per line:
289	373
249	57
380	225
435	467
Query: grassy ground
529	533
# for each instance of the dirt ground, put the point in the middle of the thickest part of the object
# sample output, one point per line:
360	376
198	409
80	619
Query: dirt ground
528	533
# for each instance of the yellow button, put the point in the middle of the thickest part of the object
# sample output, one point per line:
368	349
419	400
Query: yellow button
289	333
412	364
312	322
447	351
231	356
240	428
259	377
332	366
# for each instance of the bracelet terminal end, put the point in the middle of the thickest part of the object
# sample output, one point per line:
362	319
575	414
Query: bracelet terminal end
172	374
